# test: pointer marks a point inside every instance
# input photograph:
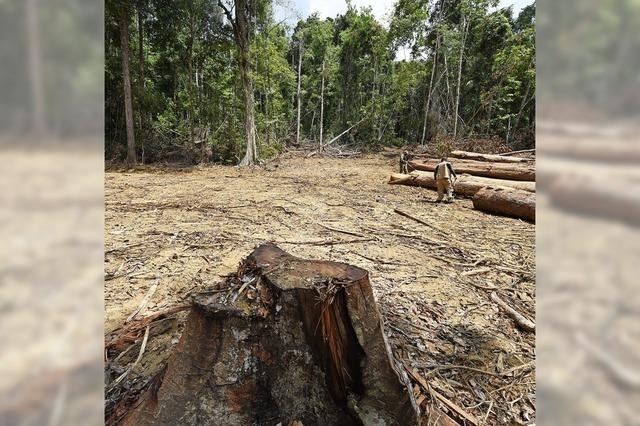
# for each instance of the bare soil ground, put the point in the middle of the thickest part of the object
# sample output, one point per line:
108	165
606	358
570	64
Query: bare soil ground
185	229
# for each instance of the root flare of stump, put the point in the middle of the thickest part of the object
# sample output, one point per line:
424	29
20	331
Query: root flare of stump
303	341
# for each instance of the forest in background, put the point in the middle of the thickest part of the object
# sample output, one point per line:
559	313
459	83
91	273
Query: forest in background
212	80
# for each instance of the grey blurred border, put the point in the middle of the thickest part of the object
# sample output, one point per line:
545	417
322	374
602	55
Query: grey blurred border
588	212
51	212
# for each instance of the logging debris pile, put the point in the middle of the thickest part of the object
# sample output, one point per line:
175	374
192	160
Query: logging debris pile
174	232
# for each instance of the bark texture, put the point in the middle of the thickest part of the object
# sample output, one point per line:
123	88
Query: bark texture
126	80
601	197
241	34
521	172
519	204
596	150
304	341
464	185
466	155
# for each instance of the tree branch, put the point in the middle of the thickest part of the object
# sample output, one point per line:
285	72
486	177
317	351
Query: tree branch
228	14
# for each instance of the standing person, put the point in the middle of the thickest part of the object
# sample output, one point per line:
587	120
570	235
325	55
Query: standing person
404	161
442	175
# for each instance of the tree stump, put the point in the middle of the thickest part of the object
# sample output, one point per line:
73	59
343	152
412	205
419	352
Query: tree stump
296	340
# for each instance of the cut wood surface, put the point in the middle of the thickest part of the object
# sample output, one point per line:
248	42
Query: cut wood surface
519	204
465	184
304	342
465	155
520	172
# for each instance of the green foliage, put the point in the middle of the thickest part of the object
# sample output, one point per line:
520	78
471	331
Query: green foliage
188	104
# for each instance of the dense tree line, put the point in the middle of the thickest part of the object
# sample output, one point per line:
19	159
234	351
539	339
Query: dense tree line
209	77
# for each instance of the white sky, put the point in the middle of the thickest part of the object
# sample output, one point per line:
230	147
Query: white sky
381	8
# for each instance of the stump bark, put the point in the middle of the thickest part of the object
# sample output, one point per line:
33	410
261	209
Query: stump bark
521	172
519	204
296	340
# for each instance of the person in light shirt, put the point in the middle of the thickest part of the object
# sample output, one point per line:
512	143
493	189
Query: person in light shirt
442	175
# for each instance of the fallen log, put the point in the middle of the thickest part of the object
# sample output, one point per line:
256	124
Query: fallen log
464	185
520	172
522	151
302	341
522	185
519	204
592	150
597	196
465	155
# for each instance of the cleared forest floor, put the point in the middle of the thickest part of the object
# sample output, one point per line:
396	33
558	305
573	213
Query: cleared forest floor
184	229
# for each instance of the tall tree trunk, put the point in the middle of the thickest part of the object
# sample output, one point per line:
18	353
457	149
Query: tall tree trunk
242	40
322	107
465	26
126	77
298	93
428	102
38	124
141	111
241	34
192	115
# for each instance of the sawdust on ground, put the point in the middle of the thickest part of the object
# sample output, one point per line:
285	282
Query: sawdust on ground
184	229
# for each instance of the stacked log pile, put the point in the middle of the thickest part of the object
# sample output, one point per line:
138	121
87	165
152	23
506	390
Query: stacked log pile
515	171
465	184
592	170
497	186
464	155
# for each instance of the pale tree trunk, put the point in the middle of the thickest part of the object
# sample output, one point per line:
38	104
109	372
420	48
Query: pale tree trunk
241	33
298	92
465	27
428	102
126	77
322	106
449	101
141	77
35	69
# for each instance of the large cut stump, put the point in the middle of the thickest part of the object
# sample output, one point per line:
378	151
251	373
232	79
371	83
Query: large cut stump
302	341
522	172
464	185
518	204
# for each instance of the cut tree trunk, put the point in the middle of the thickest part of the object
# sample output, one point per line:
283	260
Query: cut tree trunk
465	155
464	185
519	204
522	172
596	150
607	197
301	340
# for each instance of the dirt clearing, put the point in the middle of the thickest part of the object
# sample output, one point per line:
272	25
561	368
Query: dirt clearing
173	232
